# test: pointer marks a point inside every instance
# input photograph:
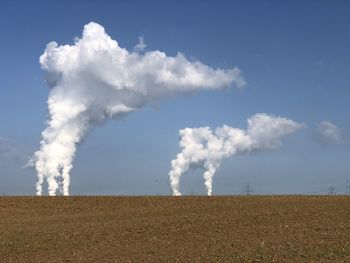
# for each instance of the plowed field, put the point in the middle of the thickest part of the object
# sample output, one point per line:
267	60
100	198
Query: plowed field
175	229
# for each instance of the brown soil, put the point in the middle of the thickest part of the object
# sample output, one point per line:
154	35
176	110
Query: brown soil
175	229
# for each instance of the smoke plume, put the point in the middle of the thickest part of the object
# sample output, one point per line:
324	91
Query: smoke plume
95	79
206	148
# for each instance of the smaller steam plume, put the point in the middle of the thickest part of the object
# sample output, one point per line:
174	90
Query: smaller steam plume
206	148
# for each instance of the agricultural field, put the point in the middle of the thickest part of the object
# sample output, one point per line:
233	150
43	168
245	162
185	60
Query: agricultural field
175	229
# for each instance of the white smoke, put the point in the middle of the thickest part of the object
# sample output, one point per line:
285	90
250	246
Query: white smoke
141	46
206	148
328	132
94	80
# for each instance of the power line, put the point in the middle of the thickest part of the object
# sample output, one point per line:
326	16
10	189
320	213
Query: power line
334	189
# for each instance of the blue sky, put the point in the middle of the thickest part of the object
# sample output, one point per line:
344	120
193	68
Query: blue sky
295	58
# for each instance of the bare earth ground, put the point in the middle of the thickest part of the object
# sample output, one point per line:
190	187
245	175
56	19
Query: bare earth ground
175	229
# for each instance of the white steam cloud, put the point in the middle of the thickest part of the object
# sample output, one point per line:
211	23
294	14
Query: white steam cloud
141	46
204	147
94	80
328	132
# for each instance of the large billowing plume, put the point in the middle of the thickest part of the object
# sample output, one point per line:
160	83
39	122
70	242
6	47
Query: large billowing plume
94	80
206	148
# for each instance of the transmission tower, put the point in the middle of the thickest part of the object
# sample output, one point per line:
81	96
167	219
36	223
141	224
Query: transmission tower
347	187
331	190
248	189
